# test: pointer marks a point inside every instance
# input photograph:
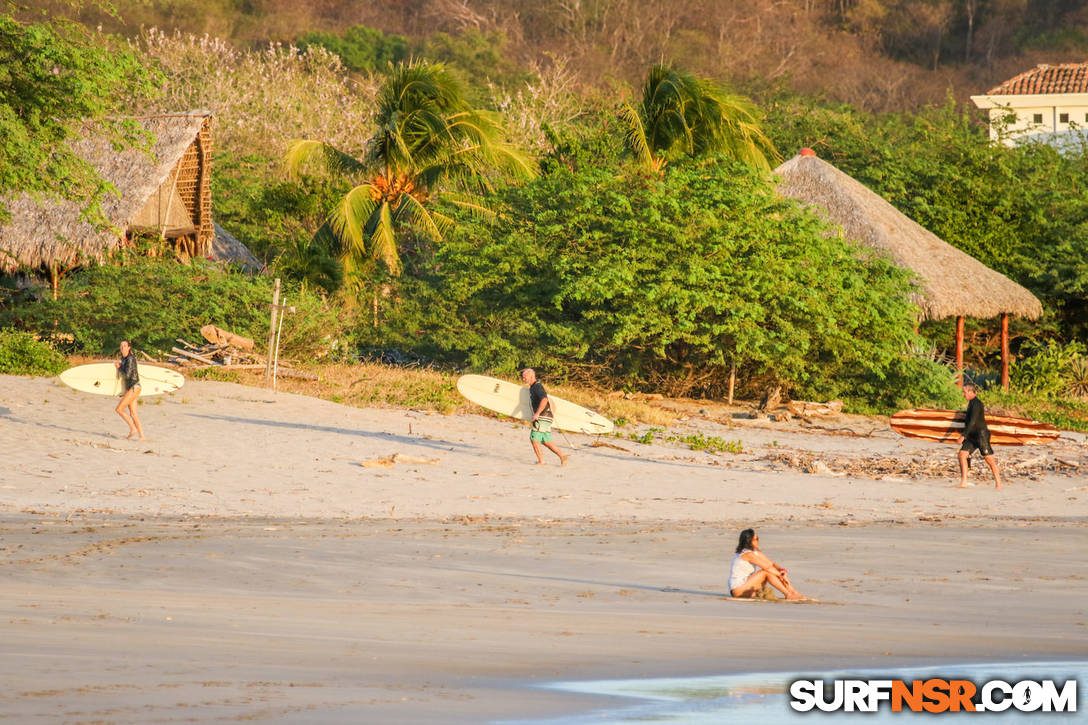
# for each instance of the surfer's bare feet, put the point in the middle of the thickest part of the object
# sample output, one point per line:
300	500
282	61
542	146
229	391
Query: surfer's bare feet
964	485
563	461
539	463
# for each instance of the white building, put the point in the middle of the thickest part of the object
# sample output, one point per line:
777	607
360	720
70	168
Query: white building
1048	103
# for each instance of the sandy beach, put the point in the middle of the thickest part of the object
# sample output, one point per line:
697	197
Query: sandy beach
242	565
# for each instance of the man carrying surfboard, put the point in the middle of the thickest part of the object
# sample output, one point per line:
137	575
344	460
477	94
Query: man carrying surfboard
541	431
976	436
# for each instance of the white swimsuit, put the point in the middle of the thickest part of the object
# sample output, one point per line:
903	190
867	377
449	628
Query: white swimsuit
741	570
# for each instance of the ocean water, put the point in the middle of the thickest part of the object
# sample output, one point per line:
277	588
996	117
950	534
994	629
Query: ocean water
763	698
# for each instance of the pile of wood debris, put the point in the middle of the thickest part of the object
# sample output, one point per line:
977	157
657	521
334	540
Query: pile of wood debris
221	348
1019	463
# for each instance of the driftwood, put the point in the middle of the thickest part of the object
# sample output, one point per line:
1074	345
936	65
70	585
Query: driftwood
807	409
219	336
771	399
194	356
390	461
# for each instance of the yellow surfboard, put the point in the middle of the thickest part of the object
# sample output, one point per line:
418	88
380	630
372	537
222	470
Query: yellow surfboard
512	399
103	379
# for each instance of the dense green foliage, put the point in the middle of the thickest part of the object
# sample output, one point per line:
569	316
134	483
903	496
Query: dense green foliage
665	283
1021	210
362	49
53	76
21	354
258	205
151	303
1051	370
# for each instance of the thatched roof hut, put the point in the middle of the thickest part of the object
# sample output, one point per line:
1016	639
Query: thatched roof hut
166	193
951	283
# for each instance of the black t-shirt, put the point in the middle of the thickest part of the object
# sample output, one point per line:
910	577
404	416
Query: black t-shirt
975	425
537	394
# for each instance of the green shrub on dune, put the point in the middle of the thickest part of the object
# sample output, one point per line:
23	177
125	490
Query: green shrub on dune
663	284
152	302
21	354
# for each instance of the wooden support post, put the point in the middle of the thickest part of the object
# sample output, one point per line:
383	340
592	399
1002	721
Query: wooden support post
959	351
54	279
1005	351
732	380
272	327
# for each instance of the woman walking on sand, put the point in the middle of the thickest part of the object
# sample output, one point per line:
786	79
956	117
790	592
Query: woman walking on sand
752	569
130	379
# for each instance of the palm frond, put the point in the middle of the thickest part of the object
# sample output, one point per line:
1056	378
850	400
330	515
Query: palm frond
419	216
383	241
333	160
471	204
634	135
351	219
682	113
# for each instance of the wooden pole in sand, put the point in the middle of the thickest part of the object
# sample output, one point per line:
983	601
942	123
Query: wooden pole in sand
1005	351
272	327
279	334
959	351
732	379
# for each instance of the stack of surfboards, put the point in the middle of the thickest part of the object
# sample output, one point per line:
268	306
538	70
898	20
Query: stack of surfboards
945	426
512	399
103	379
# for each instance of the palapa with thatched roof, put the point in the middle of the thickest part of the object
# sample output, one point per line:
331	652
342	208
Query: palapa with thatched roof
951	283
166	193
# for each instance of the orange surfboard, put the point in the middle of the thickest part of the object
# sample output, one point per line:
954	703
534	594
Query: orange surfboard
945	425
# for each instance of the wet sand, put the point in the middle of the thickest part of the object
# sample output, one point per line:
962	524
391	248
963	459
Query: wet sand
242	566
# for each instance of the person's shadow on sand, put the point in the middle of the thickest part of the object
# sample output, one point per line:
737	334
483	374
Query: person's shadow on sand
595	582
406	440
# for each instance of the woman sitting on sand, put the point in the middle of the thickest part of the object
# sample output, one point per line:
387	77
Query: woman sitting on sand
752	569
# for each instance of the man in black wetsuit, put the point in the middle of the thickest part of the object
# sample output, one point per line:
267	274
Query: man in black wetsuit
976	436
541	432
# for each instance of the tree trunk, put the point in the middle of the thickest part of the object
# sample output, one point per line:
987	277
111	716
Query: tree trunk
971	7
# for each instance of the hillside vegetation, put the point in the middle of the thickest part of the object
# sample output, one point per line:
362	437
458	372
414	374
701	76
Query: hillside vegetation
468	186
874	54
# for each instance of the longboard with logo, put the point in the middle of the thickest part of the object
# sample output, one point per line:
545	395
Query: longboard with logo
103	379
512	399
944	426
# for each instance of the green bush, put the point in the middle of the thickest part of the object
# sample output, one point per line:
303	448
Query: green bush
21	354
1049	369
662	284
150	302
361	49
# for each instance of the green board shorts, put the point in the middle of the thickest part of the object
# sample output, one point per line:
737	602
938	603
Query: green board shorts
541	431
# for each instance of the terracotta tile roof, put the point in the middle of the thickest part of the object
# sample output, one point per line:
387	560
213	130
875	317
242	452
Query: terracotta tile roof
1045	78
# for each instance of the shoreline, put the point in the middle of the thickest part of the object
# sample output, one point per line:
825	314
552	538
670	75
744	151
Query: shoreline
467	620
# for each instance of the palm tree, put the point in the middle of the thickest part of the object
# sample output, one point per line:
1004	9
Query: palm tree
681	114
429	143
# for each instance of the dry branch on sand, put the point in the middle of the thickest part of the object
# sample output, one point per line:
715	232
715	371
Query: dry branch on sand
390	461
1023	463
